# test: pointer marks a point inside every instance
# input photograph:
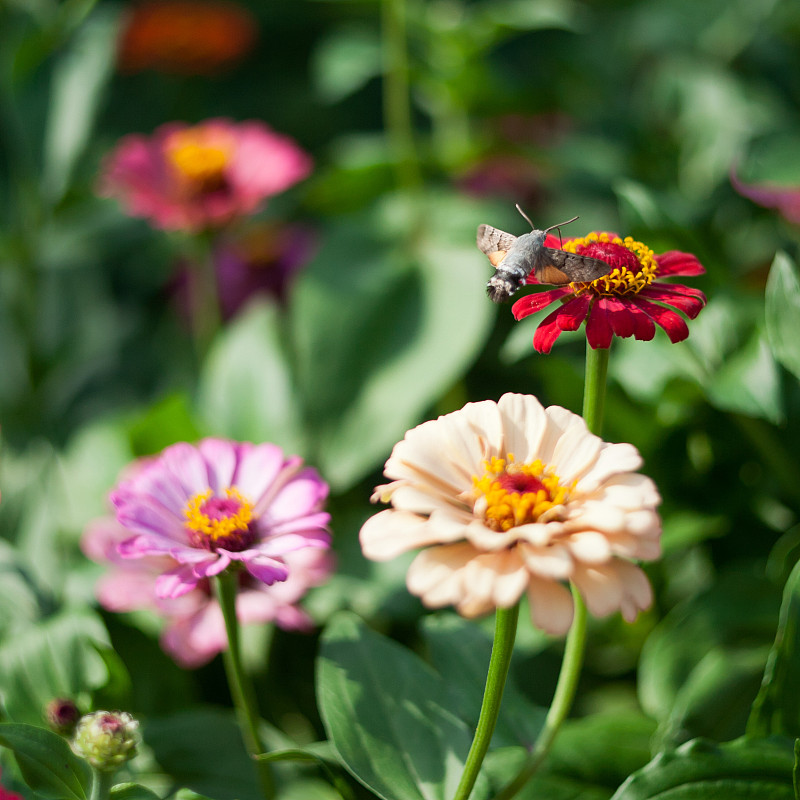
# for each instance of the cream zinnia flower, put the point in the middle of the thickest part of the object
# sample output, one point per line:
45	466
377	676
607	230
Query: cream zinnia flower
511	497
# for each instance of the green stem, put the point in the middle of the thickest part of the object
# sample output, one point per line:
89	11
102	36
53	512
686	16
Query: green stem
397	94
101	785
505	632
226	586
204	309
594	393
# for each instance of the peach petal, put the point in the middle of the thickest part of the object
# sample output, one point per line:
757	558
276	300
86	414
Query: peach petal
391	533
575	453
551	605
554	561
524	425
638	594
493	580
436	575
559	421
613	459
590	547
630	491
600	586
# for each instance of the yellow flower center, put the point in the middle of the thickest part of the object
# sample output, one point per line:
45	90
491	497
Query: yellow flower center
634	264
198	158
511	494
213	521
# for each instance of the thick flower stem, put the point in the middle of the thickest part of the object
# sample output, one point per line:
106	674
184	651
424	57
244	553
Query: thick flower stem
204	306
594	393
241	689
505	632
101	785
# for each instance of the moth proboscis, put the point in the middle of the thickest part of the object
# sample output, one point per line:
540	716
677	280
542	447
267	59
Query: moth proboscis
515	257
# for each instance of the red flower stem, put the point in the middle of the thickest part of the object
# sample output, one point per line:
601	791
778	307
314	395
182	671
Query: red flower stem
594	392
505	632
244	699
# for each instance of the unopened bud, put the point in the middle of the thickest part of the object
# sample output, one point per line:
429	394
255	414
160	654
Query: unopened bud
62	715
106	739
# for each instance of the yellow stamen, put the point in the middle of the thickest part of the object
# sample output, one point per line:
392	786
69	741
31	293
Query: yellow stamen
195	158
619	280
511	494
234	519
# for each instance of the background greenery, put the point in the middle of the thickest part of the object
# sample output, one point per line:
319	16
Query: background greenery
631	114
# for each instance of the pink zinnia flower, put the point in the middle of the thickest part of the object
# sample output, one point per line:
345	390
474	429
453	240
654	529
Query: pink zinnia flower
194	177
208	506
194	630
511	498
630	301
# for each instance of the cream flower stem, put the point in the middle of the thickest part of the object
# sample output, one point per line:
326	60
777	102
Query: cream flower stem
242	692
505	631
594	393
101	785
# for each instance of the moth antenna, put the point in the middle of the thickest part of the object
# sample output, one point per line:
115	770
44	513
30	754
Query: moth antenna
558	228
528	219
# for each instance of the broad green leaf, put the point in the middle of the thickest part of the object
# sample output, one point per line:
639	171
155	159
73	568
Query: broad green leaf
460	651
57	657
168	420
345	61
323	755
385	712
783	312
79	78
776	710
700	770
132	791
46	762
19	604
736	614
246	389
202	750
389	316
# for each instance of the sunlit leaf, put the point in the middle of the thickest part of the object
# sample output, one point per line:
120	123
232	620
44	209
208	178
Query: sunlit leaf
783	312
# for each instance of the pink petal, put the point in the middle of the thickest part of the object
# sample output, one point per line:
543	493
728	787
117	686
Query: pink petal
259	465
221	460
304	494
267	570
176	582
672	323
675	262
532	303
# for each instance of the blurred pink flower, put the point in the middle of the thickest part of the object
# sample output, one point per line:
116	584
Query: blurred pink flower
217	504
204	176
784	198
195	630
7	794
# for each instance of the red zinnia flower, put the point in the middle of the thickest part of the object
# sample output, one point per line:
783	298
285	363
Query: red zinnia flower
629	301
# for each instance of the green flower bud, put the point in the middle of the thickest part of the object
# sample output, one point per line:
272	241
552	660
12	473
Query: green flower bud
106	739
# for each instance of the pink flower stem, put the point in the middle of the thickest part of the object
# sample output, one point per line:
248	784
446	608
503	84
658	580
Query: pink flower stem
244	699
505	632
594	393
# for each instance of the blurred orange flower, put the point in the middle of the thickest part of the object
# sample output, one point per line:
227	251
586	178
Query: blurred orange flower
187	37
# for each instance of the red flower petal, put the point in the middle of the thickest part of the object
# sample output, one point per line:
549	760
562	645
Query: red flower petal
621	316
672	323
674	262
547	333
532	303
690	304
573	313
598	327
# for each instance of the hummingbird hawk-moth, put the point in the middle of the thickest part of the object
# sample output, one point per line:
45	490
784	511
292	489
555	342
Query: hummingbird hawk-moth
515	257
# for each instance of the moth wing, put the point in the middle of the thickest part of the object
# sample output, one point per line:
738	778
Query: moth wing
490	239
563	267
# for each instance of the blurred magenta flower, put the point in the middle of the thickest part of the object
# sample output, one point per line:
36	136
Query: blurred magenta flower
7	794
509	176
203	176
187	37
630	301
786	199
219	503
194	630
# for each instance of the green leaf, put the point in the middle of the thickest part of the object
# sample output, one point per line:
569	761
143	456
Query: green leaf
796	770
776	709
385	712
321	754
132	791
55	658
246	388
79	78
700	770
460	651
344	61
783	312
735	618
46	762
399	317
